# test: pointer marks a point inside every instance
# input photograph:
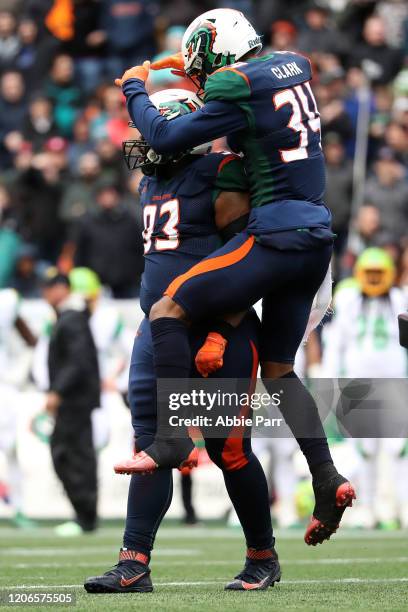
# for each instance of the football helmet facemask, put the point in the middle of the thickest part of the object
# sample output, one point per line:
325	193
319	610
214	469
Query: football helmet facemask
171	103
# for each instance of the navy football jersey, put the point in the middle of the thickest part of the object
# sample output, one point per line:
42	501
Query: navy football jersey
179	220
283	156
267	109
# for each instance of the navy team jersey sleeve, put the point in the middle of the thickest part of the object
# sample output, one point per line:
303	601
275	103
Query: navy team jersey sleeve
213	120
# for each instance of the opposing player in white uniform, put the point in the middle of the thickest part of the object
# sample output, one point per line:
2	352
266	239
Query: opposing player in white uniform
10	320
362	342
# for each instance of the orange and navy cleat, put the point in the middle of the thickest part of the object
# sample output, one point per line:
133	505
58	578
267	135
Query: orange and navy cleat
209	358
332	498
161	455
260	572
130	575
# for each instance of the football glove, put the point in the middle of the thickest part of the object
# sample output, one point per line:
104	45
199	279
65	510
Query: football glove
175	62
209	358
137	72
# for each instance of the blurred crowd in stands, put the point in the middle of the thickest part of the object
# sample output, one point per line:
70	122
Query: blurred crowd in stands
66	197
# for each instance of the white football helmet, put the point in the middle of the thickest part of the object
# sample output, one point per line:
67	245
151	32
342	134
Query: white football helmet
215	39
171	103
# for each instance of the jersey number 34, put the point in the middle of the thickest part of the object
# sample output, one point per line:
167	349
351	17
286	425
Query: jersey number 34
301	118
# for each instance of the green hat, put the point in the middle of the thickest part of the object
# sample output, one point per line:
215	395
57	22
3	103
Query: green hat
375	259
85	281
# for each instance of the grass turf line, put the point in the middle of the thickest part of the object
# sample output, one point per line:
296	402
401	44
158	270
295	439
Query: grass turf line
210	557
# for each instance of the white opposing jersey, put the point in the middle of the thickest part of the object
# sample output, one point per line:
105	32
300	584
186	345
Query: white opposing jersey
362	340
9	306
108	332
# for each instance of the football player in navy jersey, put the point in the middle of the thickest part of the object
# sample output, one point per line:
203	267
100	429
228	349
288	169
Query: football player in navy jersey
267	109
191	203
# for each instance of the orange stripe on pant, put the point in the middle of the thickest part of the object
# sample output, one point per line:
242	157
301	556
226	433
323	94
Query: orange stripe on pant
209	265
233	456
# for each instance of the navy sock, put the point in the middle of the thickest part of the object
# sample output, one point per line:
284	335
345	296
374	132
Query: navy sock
187	497
172	359
172	354
148	501
248	491
303	411
300	412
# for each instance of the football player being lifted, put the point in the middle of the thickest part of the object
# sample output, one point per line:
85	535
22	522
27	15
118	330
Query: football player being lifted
266	108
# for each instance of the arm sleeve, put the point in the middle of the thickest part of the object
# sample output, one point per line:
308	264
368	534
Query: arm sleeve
231	175
213	120
77	353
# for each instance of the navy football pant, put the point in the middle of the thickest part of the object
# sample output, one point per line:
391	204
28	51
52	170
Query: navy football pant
150	496
242	272
235	277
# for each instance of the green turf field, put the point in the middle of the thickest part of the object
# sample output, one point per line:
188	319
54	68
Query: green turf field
356	570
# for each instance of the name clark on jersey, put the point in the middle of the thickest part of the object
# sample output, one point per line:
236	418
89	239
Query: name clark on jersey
287	70
224	421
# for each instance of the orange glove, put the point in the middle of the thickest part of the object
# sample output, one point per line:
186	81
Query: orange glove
185	471
137	72
175	61
209	358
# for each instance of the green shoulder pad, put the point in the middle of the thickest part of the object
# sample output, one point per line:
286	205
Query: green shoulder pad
228	85
231	175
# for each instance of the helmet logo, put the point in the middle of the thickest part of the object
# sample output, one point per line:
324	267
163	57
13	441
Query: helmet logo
163	110
174	109
200	50
255	42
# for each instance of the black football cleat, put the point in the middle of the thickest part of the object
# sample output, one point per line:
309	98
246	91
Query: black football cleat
257	575
332	497
128	576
